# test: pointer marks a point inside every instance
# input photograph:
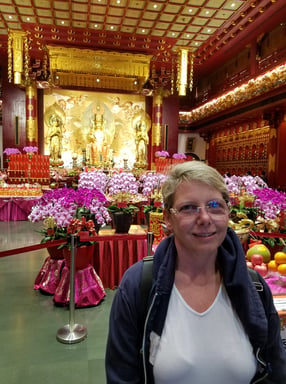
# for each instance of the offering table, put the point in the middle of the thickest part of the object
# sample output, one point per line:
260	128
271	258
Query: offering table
116	252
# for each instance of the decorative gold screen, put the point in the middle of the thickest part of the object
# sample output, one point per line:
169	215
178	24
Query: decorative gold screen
73	67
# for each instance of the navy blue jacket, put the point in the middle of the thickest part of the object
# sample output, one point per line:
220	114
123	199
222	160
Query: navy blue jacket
127	353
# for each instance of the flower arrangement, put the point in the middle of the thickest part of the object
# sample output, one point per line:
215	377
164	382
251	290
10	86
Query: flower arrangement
122	189
65	211
179	156
162	154
93	179
252	199
11	151
30	149
151	186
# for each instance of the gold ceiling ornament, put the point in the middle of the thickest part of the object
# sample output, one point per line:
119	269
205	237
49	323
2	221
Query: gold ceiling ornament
18	56
184	64
98	69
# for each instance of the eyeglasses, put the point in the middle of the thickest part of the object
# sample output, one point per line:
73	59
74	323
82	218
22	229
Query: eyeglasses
214	208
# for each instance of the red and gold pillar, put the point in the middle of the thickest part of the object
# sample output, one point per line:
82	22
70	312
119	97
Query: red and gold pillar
31	116
156	125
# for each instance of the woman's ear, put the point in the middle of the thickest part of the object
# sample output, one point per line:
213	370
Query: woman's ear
167	220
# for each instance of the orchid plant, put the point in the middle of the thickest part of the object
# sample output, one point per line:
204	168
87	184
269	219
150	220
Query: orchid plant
30	149
11	151
180	156
162	154
122	189
93	179
251	196
65	211
151	185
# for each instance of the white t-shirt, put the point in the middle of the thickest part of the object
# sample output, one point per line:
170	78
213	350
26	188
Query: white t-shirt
202	348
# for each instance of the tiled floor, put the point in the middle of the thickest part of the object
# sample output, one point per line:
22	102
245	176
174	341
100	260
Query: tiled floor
29	321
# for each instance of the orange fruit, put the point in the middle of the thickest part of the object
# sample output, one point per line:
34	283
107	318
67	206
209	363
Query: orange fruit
282	269
272	266
259	249
280	257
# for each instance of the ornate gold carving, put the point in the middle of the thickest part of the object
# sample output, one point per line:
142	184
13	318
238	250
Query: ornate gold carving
84	67
18	55
271	163
31	130
273	133
156	134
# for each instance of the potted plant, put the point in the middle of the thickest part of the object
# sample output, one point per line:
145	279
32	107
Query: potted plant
65	211
251	197
151	183
122	189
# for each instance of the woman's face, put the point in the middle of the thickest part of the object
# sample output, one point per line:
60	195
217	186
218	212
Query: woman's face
199	218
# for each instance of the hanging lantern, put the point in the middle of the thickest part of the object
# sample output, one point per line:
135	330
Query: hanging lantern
18	56
183	65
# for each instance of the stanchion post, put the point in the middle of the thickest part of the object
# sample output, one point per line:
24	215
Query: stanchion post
72	333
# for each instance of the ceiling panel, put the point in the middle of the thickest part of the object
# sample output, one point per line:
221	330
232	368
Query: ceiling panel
196	24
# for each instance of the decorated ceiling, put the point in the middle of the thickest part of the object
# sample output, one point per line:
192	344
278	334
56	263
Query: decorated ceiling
212	29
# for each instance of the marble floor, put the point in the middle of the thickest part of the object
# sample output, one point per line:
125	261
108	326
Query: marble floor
29	321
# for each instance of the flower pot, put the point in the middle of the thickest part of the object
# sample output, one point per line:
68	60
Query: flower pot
55	253
83	257
122	222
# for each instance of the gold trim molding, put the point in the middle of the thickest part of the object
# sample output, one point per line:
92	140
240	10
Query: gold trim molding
98	69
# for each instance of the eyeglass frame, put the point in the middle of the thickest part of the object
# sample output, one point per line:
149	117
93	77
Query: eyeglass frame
198	209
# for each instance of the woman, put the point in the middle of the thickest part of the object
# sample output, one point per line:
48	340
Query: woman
206	322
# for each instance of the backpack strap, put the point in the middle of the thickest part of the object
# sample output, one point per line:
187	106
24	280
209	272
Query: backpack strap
146	282
255	279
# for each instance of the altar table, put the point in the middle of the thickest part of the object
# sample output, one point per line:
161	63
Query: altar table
117	252
16	208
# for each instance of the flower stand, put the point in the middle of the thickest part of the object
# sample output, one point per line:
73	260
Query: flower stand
89	290
49	275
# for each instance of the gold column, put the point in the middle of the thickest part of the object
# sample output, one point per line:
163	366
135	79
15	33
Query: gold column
17	55
183	65
156	124
31	115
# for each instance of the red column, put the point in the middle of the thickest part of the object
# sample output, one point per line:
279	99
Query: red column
31	116
156	126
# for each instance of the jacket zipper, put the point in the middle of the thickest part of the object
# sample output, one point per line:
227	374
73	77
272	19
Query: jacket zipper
144	338
263	364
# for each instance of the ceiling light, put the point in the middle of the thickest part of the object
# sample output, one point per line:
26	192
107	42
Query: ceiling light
207	12
10	17
190	10
111	27
155	6
95	25
62	22
143	30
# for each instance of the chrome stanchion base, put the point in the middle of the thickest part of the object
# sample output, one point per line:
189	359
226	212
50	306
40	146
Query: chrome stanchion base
71	335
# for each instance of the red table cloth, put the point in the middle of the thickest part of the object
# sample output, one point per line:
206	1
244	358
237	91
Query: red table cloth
16	208
117	252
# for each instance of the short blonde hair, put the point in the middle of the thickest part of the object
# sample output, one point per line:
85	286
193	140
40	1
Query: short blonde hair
192	171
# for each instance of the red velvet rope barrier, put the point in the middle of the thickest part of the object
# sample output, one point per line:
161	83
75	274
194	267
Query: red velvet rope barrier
120	236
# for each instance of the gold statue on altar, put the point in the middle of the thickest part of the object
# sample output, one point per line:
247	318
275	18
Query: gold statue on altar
54	119
97	145
55	137
142	126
